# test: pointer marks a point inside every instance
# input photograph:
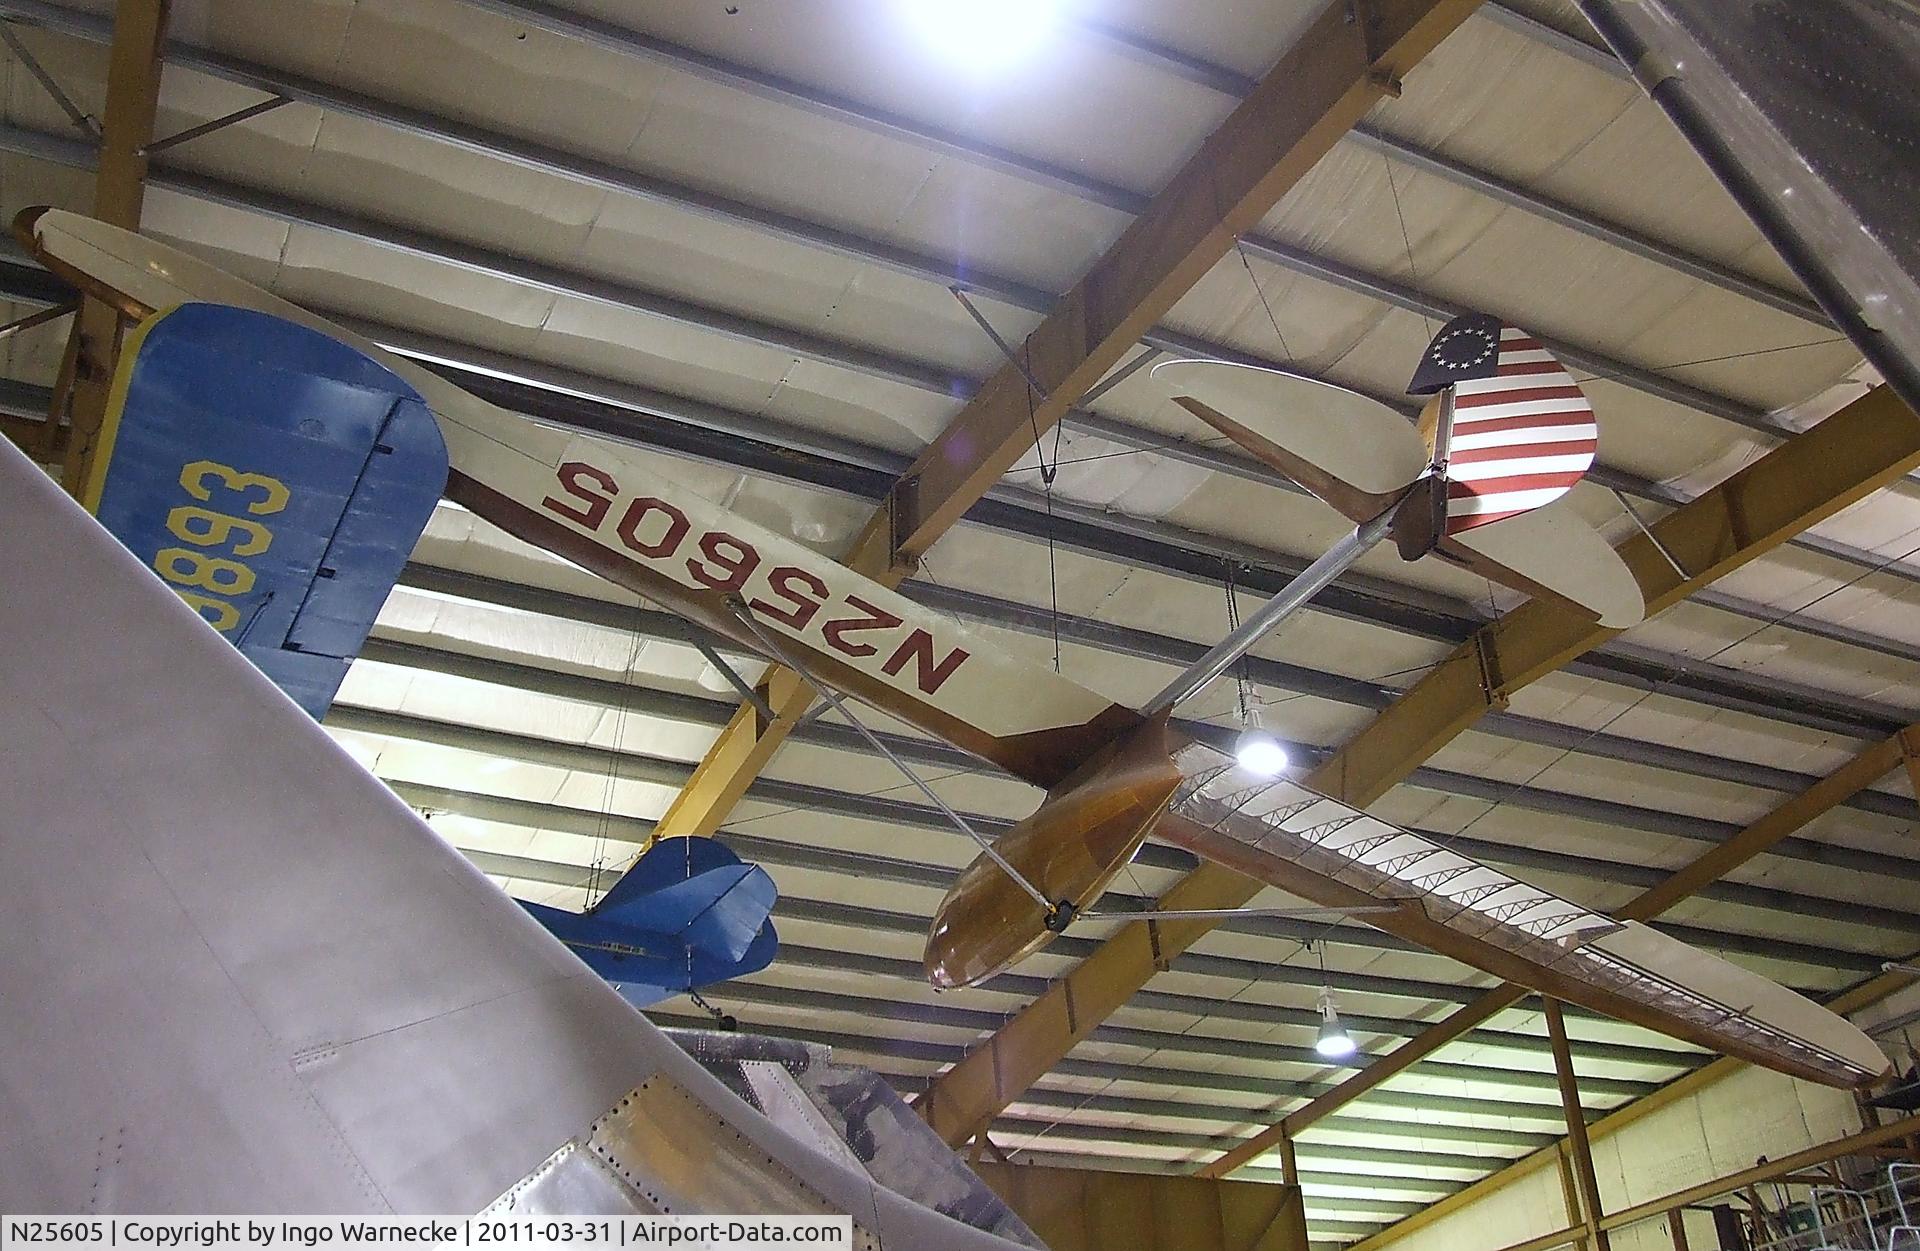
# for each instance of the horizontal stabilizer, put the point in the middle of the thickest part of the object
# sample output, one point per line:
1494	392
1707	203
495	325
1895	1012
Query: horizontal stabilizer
688	913
1352	451
275	477
1553	550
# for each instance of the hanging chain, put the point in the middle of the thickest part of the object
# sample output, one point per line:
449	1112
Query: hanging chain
1241	686
720	1018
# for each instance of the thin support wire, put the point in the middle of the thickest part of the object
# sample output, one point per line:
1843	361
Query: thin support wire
604	826
1141	360
779	653
1648	531
1047	471
1406	236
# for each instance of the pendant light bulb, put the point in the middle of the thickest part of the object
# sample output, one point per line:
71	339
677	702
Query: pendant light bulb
1257	750
1334	1043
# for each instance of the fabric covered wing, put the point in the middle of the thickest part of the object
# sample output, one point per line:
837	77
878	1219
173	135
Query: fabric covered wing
275	476
1289	836
602	506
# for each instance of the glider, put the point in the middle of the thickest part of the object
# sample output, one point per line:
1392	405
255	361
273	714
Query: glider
1112	774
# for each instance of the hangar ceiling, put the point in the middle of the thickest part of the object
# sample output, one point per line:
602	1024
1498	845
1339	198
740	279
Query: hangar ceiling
728	235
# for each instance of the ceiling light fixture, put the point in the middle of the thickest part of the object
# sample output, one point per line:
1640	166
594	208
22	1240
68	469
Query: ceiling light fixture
1257	750
1333	1042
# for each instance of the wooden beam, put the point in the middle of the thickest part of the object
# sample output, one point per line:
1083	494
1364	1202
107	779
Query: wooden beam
1579	1149
1852	777
1865	994
1558	1238
1289	1159
1325	83
1075	1209
1823	796
1570	1190
30	436
736	758
119	191
1869	443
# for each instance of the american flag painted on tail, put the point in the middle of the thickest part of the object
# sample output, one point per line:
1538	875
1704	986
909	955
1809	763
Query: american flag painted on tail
1523	431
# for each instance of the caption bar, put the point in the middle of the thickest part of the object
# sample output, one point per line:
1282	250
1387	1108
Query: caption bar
305	1233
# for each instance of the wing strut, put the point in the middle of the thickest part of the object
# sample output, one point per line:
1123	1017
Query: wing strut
985	844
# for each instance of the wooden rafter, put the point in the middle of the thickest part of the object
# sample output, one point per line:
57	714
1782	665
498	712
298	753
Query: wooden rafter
1873	441
1580	1151
133	94
1354	54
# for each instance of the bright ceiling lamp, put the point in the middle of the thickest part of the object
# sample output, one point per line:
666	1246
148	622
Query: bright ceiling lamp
984	34
1257	750
1334	1043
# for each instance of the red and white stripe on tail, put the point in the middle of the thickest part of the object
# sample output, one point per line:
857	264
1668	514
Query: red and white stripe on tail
1523	430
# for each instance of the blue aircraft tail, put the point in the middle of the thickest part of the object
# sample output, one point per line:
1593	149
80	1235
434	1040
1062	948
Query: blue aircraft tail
689	913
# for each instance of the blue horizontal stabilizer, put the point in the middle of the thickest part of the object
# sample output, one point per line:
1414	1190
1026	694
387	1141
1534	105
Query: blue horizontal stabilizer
689	913
695	888
275	477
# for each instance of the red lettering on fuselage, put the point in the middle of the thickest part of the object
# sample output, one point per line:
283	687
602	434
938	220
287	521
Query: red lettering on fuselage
927	675
736	565
667	543
657	531
873	618
780	580
595	512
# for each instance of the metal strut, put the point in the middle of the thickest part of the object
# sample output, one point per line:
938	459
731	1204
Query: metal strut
1309	582
234	118
74	113
1053	908
1006	349
745	688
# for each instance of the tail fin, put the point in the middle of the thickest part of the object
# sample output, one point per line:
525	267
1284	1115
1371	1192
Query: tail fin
1521	435
1523	432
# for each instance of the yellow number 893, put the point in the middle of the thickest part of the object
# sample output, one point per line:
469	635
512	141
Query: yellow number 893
215	528
216	576
274	492
222	577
